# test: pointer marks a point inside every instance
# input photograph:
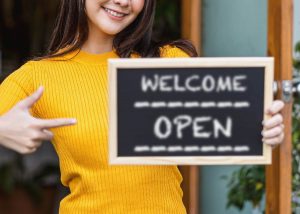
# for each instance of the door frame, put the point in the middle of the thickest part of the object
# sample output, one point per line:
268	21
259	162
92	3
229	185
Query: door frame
280	46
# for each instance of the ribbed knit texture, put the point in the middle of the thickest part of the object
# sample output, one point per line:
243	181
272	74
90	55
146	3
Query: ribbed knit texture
77	88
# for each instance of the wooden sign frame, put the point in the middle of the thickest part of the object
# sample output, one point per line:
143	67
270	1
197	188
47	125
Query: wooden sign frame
115	64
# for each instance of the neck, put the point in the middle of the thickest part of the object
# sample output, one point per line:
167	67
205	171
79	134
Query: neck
98	42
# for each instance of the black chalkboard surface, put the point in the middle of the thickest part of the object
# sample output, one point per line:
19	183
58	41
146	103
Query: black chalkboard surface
189	111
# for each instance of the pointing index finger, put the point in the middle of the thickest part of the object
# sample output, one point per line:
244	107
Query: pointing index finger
53	123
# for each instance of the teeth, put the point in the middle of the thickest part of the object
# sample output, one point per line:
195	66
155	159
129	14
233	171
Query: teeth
113	13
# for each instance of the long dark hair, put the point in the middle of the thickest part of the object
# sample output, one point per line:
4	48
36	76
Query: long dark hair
71	31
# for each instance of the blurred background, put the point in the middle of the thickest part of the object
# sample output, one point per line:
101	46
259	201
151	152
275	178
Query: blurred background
31	184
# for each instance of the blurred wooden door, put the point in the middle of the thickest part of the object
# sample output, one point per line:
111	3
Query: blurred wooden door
278	175
191	29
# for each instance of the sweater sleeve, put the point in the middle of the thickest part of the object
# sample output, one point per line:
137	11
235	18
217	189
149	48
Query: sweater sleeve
172	52
17	86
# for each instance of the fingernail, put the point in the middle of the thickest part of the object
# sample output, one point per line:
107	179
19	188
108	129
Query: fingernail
73	121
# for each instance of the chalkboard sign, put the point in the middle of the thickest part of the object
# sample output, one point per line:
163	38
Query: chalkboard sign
189	110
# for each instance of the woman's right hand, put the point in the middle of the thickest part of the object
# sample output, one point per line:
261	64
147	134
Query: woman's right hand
22	132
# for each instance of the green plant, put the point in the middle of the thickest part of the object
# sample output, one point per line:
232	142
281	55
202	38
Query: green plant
13	175
296	61
296	135
246	184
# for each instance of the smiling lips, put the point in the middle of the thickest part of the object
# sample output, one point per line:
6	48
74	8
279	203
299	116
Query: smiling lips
114	13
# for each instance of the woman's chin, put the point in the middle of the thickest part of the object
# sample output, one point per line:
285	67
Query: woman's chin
109	28
112	32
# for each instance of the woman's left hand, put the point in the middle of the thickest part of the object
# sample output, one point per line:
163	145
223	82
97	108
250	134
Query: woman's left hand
273	128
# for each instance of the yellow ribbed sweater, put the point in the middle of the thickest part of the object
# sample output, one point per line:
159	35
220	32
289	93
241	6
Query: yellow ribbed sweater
77	88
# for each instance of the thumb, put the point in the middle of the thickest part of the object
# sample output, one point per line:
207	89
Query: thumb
28	102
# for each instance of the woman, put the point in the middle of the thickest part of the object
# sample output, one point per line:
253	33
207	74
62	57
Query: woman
74	76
